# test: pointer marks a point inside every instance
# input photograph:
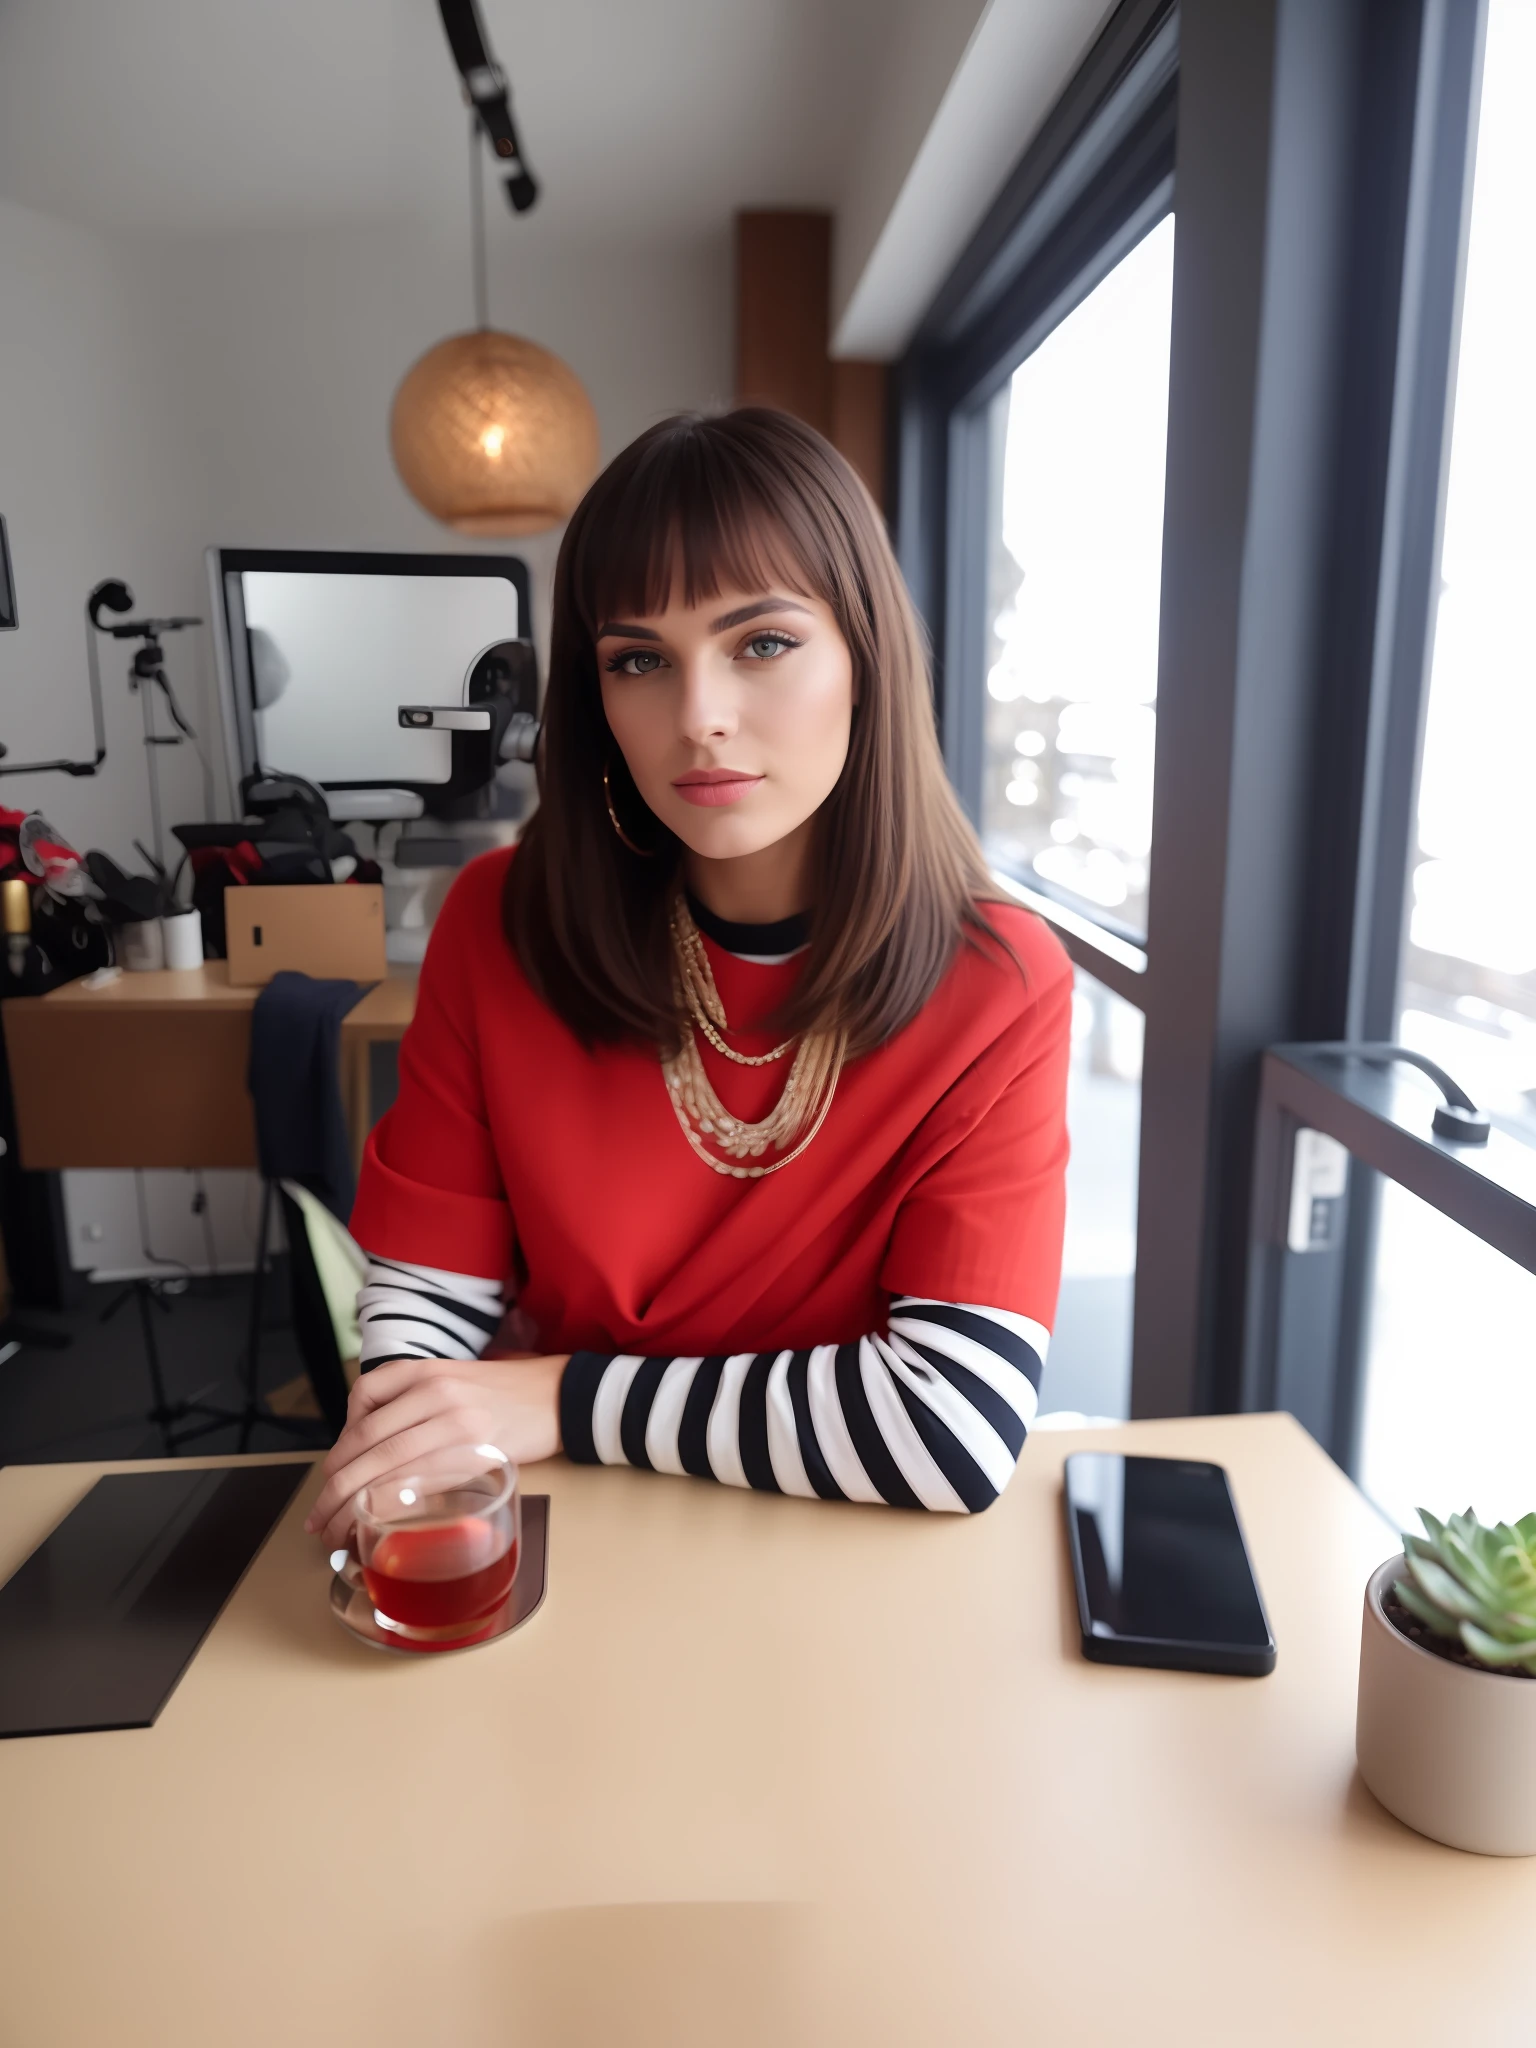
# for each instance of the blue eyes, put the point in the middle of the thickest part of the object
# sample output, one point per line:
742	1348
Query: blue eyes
645	661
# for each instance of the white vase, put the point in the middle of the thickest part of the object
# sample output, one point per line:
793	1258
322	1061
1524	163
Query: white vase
1448	1748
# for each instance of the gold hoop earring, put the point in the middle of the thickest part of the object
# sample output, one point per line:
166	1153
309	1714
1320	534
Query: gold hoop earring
644	853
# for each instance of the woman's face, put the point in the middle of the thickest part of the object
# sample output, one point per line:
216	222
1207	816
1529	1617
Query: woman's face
732	715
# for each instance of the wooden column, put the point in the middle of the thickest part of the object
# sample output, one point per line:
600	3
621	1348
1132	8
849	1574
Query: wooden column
858	420
783	285
783	321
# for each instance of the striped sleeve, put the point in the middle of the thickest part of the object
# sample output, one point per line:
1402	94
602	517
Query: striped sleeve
409	1311
932	1414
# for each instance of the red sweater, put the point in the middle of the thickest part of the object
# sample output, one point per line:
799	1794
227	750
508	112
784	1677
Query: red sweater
513	1153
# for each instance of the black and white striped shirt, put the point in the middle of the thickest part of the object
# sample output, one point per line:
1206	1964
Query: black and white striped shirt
930	1413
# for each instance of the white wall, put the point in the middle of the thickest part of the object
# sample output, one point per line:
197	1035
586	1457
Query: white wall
97	479
158	396
94	482
290	345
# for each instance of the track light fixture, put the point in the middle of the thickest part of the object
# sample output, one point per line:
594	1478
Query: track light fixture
491	433
486	89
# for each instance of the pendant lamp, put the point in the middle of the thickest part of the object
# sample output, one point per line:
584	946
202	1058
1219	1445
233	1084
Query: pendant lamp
490	433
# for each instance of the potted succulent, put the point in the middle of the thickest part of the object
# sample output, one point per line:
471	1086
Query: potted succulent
1446	1732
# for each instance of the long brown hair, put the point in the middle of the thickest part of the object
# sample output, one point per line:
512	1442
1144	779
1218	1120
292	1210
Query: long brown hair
744	500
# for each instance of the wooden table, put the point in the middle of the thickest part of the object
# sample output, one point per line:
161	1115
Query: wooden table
761	1770
149	1071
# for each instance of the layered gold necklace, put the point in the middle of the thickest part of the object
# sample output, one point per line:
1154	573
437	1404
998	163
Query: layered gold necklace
801	1109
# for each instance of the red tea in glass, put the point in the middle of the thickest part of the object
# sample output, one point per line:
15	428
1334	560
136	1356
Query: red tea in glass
439	1549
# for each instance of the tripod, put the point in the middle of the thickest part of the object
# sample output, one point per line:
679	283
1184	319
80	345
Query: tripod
146	674
147	671
166	1413
199	1416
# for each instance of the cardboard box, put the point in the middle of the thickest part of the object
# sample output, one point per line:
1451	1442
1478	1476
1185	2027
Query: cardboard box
333	931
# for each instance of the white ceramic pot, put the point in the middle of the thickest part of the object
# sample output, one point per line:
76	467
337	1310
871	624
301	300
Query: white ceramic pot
1448	1749
183	935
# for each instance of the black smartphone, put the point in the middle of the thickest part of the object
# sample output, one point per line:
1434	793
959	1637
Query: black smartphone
1163	1574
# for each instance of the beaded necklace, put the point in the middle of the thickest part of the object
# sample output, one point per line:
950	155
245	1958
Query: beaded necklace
801	1109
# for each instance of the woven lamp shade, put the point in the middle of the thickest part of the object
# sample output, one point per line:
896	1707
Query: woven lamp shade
493	434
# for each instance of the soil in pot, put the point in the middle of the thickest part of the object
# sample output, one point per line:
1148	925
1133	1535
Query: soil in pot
1452	1651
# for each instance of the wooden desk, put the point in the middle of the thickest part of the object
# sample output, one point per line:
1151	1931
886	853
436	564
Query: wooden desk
150	1071
761	1770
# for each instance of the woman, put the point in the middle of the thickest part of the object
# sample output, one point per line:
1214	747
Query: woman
733	1077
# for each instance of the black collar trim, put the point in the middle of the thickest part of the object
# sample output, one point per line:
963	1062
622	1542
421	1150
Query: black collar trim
751	941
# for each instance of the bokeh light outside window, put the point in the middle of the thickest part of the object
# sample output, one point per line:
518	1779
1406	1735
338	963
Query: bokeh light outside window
1073	585
1450	1392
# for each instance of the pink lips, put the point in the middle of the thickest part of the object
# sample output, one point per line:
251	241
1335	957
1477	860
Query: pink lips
710	788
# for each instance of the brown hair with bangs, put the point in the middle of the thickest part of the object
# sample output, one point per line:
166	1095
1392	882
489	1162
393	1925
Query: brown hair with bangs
746	500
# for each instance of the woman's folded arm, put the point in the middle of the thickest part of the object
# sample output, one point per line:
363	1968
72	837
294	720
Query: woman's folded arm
932	1413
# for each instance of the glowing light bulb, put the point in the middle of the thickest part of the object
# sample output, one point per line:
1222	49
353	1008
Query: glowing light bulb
491	441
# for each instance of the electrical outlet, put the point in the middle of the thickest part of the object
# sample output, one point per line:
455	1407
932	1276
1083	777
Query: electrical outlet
1319	1177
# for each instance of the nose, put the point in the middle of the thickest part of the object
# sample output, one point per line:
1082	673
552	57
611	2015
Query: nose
708	709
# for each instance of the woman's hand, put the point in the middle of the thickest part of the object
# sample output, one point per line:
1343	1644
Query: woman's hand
400	1413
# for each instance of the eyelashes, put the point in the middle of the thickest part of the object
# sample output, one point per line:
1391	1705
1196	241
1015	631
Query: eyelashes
774	638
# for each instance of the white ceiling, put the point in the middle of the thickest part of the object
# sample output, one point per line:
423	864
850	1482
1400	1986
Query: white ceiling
896	247
653	118
646	121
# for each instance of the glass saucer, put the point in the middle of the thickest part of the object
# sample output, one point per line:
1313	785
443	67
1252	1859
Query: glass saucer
354	1610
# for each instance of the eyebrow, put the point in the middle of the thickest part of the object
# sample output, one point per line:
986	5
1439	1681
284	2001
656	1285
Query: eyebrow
755	610
616	629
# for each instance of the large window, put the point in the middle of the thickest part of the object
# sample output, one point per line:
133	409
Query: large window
1079	436
1468	995
1181	529
1396	1311
1450	1389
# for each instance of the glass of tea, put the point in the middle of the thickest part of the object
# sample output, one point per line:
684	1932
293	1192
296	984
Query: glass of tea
438	1548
